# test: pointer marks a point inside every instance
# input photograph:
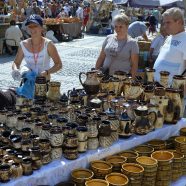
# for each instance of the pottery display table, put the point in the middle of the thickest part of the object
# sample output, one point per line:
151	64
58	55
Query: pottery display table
59	170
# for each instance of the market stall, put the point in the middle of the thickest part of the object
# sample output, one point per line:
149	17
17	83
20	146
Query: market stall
59	170
70	26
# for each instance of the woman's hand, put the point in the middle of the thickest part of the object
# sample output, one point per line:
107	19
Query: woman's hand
44	74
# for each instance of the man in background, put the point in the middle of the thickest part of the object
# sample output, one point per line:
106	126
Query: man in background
138	28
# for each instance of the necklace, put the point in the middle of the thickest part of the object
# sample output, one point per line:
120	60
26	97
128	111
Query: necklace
116	46
36	55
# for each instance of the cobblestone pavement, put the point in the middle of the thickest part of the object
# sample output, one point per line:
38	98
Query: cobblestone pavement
77	56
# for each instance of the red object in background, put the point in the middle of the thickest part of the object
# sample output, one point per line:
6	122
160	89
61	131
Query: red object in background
86	12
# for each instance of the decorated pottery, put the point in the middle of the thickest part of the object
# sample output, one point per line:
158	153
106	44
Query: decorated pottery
91	84
80	176
117	179
53	93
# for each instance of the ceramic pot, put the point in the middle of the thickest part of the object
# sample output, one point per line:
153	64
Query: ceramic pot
105	128
71	153
45	132
44	145
71	141
164	78
16	141
82	133
25	133
53	93
46	158
35	153
93	143
16	170
73	127
38	128
40	89
82	146
25	145
27	166
11	120
56	137
91	84
179	83
56	153
61	122
150	74
4	173
20	122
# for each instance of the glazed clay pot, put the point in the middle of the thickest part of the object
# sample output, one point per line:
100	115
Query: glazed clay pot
56	137
4	173
164	78
53	93
27	166
17	170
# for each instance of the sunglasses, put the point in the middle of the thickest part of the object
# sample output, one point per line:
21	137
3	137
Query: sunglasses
32	26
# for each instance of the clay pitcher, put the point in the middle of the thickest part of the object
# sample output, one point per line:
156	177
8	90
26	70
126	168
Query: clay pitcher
91	84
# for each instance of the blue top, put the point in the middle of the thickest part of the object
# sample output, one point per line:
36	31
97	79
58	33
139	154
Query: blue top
137	28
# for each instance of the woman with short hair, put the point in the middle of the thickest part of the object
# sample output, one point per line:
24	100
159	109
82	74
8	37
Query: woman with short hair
119	51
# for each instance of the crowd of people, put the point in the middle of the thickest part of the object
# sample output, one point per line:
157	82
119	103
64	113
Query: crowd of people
120	50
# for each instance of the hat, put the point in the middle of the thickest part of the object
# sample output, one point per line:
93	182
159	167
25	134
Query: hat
37	19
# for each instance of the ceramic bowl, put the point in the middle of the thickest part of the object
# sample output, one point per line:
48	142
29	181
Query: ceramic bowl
117	179
81	175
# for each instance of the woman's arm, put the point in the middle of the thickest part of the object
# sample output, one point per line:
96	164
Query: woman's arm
134	64
53	53
100	59
18	59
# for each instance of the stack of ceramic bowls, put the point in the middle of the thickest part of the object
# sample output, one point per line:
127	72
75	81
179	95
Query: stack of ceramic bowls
164	158
180	145
117	162
177	165
157	144
117	179
97	182
130	155
144	150
80	176
134	172
101	168
150	166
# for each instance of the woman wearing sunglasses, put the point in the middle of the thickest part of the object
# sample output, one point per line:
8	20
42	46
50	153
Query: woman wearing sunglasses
119	51
37	52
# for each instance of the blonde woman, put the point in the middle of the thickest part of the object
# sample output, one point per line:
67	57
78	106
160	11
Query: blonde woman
119	51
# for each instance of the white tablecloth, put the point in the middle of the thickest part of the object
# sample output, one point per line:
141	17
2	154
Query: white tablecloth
59	170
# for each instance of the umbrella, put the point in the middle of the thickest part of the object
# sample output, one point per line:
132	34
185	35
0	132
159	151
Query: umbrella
151	3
